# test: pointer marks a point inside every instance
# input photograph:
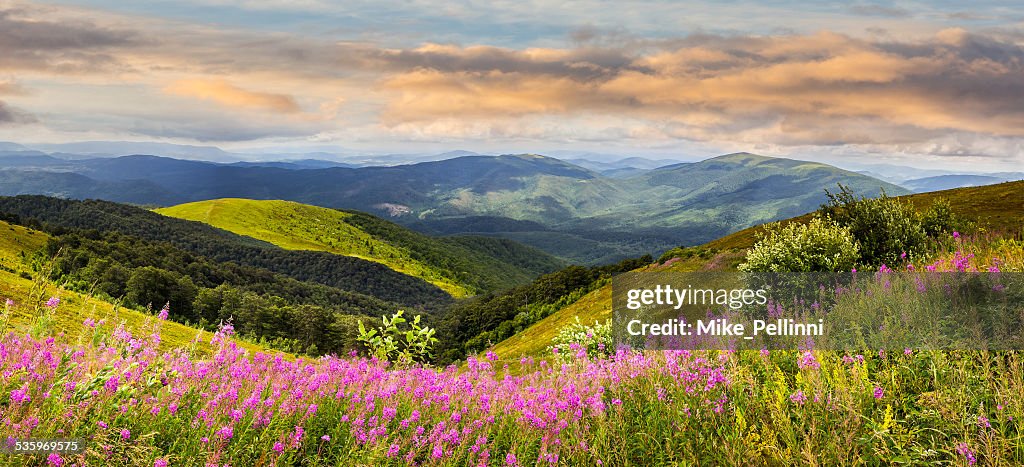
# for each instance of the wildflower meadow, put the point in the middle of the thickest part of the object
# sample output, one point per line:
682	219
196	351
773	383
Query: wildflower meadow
131	403
125	397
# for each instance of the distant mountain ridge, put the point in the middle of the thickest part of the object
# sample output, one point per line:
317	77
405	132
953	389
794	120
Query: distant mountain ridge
947	182
586	217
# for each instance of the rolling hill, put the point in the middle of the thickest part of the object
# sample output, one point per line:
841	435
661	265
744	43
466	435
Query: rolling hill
459	266
363	280
707	199
997	207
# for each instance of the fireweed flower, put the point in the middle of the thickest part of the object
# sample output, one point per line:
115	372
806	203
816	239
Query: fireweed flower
161	462
55	460
968	454
163	313
807	360
879	392
226	432
21	396
53	302
798	397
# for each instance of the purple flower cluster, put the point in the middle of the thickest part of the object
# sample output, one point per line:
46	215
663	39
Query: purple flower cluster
412	413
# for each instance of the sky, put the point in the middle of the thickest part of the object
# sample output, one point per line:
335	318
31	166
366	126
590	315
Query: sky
936	84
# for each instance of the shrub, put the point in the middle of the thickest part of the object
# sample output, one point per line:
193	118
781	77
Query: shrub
817	246
577	340
687	253
884	227
389	343
939	219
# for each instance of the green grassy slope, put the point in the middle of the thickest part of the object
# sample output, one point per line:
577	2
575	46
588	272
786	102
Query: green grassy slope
998	207
297	226
460	266
595	306
17	242
995	207
74	308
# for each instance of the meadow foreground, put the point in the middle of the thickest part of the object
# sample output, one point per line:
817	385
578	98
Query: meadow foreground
132	404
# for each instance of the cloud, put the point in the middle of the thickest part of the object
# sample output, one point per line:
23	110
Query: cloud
29	41
226	94
967	16
868	9
10	115
824	88
12	88
207	130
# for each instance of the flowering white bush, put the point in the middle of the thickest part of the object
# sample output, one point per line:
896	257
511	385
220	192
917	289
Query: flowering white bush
819	245
578	340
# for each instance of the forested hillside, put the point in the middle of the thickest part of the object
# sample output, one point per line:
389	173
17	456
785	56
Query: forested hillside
476	324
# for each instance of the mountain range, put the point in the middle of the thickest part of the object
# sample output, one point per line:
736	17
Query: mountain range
950	181
562	208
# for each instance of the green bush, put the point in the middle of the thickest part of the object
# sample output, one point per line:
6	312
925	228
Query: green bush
939	219
391	344
687	253
816	246
885	228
